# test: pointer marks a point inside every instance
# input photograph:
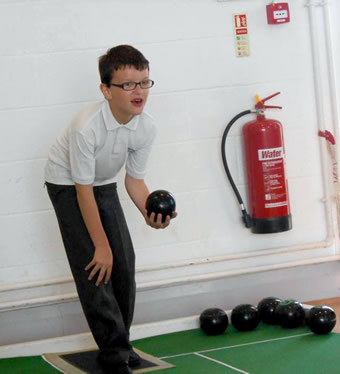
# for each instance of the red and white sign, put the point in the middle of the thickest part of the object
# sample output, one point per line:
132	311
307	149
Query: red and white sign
241	34
240	20
270	153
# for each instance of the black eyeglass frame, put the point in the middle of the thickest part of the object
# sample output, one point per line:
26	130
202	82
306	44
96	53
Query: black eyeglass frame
136	84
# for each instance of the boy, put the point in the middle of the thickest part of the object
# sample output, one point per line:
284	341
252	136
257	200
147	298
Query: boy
80	178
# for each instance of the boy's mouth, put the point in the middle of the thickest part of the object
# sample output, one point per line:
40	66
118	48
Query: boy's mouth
137	102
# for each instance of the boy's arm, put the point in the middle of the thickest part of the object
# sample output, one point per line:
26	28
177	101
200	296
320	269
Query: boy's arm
138	191
102	260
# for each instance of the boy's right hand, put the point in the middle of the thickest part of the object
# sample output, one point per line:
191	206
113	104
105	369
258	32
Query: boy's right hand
156	221
102	262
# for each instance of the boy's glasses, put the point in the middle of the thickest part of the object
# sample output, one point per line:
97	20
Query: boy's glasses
130	86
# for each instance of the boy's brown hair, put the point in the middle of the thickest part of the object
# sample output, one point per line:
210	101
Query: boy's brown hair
117	58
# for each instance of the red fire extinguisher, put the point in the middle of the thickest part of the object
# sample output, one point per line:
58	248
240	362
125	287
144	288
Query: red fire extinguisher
266	176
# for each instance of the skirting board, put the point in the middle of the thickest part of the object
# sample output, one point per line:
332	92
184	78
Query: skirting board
85	341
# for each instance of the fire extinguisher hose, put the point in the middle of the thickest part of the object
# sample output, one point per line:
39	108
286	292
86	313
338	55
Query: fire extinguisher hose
245	216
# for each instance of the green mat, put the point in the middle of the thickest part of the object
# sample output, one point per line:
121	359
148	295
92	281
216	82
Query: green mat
266	350
26	365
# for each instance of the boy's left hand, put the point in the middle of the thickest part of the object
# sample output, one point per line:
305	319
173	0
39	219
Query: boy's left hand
158	224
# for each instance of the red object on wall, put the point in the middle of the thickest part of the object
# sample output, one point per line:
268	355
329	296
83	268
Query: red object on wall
278	13
266	176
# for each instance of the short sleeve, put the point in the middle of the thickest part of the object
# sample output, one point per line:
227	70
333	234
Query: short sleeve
82	160
137	161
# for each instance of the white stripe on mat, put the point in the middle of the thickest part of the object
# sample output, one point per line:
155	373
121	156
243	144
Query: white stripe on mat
221	363
237	345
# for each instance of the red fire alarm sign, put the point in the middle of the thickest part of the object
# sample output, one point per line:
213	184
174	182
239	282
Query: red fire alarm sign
277	13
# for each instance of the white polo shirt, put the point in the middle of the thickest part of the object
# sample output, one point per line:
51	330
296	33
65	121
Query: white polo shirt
94	148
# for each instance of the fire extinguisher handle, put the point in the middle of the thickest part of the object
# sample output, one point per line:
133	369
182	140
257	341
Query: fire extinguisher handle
260	102
271	96
272	107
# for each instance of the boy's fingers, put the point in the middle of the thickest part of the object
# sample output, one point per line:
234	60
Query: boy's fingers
100	276
108	274
93	272
89	265
174	215
159	219
155	221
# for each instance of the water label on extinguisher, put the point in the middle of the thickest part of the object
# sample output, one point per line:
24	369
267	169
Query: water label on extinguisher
270	153
272	160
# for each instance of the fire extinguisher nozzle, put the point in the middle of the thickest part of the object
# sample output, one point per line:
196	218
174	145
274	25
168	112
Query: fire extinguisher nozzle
247	220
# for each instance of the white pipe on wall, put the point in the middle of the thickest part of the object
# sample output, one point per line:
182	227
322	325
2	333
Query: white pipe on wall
334	102
176	265
320	111
239	256
331	74
35	284
208	277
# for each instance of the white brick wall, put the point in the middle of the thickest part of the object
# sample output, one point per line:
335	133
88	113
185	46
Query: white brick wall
48	64
50	59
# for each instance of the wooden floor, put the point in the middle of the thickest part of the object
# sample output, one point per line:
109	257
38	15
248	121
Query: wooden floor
333	303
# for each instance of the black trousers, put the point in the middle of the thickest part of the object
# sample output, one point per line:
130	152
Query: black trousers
108	308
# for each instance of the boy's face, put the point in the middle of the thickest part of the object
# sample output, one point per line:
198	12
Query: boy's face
126	104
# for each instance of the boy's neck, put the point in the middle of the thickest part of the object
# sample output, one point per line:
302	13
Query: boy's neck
121	118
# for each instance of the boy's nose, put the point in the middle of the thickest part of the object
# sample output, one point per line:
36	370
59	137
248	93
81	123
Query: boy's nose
138	88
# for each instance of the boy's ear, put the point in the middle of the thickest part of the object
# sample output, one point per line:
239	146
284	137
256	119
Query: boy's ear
106	91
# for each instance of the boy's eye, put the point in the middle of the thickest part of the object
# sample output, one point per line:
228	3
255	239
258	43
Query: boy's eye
129	85
145	83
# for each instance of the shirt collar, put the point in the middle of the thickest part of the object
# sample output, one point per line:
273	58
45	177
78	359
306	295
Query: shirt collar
112	124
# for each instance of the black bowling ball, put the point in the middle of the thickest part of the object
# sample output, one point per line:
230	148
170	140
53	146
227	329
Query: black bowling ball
267	310
290	314
214	321
321	319
245	317
160	201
